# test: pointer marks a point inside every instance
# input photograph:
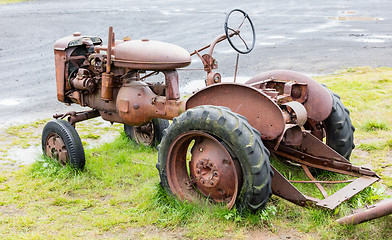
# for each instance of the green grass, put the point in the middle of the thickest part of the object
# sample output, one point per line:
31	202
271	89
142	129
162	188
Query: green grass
367	93
375	125
118	195
118	192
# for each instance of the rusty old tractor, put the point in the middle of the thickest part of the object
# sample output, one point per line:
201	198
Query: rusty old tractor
220	140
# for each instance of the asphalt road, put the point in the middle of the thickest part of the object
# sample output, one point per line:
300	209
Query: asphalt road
314	37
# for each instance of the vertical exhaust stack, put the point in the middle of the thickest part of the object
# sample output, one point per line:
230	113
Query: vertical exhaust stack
107	78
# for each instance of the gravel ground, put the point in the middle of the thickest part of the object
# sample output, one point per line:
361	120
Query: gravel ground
313	37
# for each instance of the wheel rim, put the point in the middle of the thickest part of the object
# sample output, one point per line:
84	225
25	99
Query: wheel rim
210	171
55	148
144	134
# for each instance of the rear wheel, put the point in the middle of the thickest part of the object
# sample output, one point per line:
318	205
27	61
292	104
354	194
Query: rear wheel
211	152
148	134
339	129
60	141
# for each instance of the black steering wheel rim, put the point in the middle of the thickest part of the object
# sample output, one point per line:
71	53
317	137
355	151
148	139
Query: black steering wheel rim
226	27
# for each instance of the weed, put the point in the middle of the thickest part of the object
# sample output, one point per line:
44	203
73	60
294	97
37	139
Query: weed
389	143
371	146
267	213
91	136
375	125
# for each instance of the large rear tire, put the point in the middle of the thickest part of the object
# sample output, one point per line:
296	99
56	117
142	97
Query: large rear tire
210	151
339	129
60	141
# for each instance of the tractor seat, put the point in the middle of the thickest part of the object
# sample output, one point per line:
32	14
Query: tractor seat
150	55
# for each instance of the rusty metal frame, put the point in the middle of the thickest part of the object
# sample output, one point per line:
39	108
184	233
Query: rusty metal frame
322	158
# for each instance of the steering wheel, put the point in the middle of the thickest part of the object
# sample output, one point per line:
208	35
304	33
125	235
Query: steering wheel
233	32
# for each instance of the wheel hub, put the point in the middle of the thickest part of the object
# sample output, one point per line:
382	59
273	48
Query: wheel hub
210	172
207	173
144	134
55	148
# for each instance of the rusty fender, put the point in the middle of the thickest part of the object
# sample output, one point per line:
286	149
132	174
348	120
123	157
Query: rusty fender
262	113
319	102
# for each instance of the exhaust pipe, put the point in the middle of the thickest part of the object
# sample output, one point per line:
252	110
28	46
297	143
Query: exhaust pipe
377	210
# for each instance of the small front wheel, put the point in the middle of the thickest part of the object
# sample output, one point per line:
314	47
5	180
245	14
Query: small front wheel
60	141
211	152
148	134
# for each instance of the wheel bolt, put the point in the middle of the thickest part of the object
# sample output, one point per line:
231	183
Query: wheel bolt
226	161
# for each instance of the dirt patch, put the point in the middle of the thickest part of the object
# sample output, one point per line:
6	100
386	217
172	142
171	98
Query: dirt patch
11	210
281	235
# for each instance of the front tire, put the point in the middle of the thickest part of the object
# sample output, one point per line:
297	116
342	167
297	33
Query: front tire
228	163
148	134
60	141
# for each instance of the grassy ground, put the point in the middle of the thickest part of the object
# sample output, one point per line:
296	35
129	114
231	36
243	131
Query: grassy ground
118	196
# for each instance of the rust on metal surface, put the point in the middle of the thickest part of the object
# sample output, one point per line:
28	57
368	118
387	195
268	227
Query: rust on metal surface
94	101
213	77
107	87
137	104
318	185
283	188
319	101
297	113
144	134
107	77
55	148
377	210
347	192
282	91
111	116
317	181
82	116
83	81
109	50
262	113
60	59
312	145
209	62
292	136
322	163
212	171
171	82
150	55
218	39
74	117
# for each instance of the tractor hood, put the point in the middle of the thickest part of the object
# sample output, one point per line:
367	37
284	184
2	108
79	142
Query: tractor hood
150	55
74	40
